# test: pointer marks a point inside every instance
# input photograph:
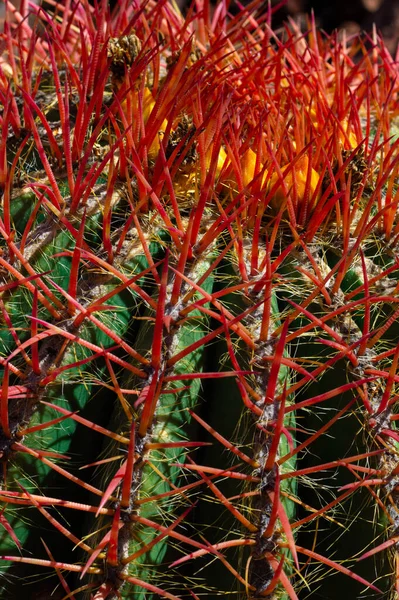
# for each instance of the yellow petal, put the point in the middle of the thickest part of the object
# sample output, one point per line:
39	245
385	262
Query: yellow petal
248	165
300	173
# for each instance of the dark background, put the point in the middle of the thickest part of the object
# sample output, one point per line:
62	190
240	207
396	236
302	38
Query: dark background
353	15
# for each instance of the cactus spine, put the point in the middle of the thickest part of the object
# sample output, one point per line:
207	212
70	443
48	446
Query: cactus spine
199	288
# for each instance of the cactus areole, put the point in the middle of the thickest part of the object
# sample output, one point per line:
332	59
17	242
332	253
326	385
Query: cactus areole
199	306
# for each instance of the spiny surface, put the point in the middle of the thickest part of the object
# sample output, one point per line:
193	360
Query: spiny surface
199	287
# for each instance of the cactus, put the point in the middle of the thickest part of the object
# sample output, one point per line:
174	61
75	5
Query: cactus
199	288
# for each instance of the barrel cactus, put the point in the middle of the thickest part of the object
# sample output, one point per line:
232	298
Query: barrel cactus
199	306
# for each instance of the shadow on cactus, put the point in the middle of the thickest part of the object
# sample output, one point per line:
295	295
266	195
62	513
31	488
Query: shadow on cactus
199	306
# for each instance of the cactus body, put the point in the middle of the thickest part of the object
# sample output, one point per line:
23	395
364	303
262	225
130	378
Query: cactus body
199	307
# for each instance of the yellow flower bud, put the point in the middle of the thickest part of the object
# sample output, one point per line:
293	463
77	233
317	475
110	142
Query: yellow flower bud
298	175
248	164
